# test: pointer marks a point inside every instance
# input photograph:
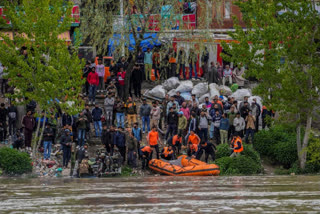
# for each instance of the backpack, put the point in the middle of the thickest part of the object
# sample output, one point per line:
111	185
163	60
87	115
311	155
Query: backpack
84	167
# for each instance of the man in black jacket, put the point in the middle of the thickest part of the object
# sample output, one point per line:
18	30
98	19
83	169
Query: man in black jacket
172	123
107	139
66	143
48	136
3	121
96	116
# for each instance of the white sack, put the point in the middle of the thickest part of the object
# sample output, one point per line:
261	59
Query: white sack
225	90
258	99
172	92
213	91
241	93
158	92
200	89
185	86
171	83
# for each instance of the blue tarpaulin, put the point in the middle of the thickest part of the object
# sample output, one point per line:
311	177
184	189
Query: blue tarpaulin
150	40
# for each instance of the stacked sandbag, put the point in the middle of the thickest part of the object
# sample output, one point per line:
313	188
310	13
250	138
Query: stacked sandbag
200	89
172	92
225	90
214	91
241	93
171	83
158	92
185	86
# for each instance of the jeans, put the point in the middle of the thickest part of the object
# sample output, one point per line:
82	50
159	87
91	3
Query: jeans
145	119
211	131
92	93
120	119
12	126
132	159
183	67
172	129
195	71
47	149
81	136
249	131
203	134
109	117
98	128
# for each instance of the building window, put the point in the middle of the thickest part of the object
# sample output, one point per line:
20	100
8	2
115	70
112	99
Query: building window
227	10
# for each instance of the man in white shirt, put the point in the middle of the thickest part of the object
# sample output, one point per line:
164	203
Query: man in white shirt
227	74
239	124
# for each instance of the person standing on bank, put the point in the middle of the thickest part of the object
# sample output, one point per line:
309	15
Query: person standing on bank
182	62
28	123
93	80
148	64
48	136
101	73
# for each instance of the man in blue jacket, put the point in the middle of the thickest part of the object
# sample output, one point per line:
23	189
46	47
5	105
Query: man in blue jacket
119	140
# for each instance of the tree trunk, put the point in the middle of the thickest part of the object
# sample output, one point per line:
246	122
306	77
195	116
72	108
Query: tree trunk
42	130
34	146
303	159
299	137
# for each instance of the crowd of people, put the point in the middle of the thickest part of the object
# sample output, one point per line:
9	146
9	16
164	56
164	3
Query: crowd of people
135	127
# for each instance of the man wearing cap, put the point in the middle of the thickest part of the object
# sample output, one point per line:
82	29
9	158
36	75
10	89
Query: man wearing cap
145	110
66	143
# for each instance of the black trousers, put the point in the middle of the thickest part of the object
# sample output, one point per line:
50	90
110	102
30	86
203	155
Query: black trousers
66	155
172	129
122	150
156	147
12	126
136	89
145	160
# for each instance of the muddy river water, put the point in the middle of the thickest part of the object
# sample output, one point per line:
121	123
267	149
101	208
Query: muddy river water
261	194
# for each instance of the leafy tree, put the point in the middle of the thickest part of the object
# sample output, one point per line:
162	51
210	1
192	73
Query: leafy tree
39	64
280	47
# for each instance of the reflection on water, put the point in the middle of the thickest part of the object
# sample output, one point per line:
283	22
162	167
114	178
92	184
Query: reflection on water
278	194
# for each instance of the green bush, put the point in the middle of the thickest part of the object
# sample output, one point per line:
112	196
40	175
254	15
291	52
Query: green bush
285	152
249	151
14	162
278	144
223	150
245	165
224	164
240	165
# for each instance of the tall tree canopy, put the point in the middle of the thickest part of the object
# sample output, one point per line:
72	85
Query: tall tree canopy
280	47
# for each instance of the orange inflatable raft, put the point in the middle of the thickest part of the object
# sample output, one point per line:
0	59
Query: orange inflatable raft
184	166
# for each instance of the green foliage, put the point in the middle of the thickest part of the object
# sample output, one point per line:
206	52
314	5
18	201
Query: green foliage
241	165
245	165
223	150
14	162
126	171
46	69
224	164
279	144
249	151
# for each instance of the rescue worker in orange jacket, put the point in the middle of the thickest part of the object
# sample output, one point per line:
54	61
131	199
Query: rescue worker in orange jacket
209	149
193	138
146	154
236	145
153	140
175	142
167	153
192	150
